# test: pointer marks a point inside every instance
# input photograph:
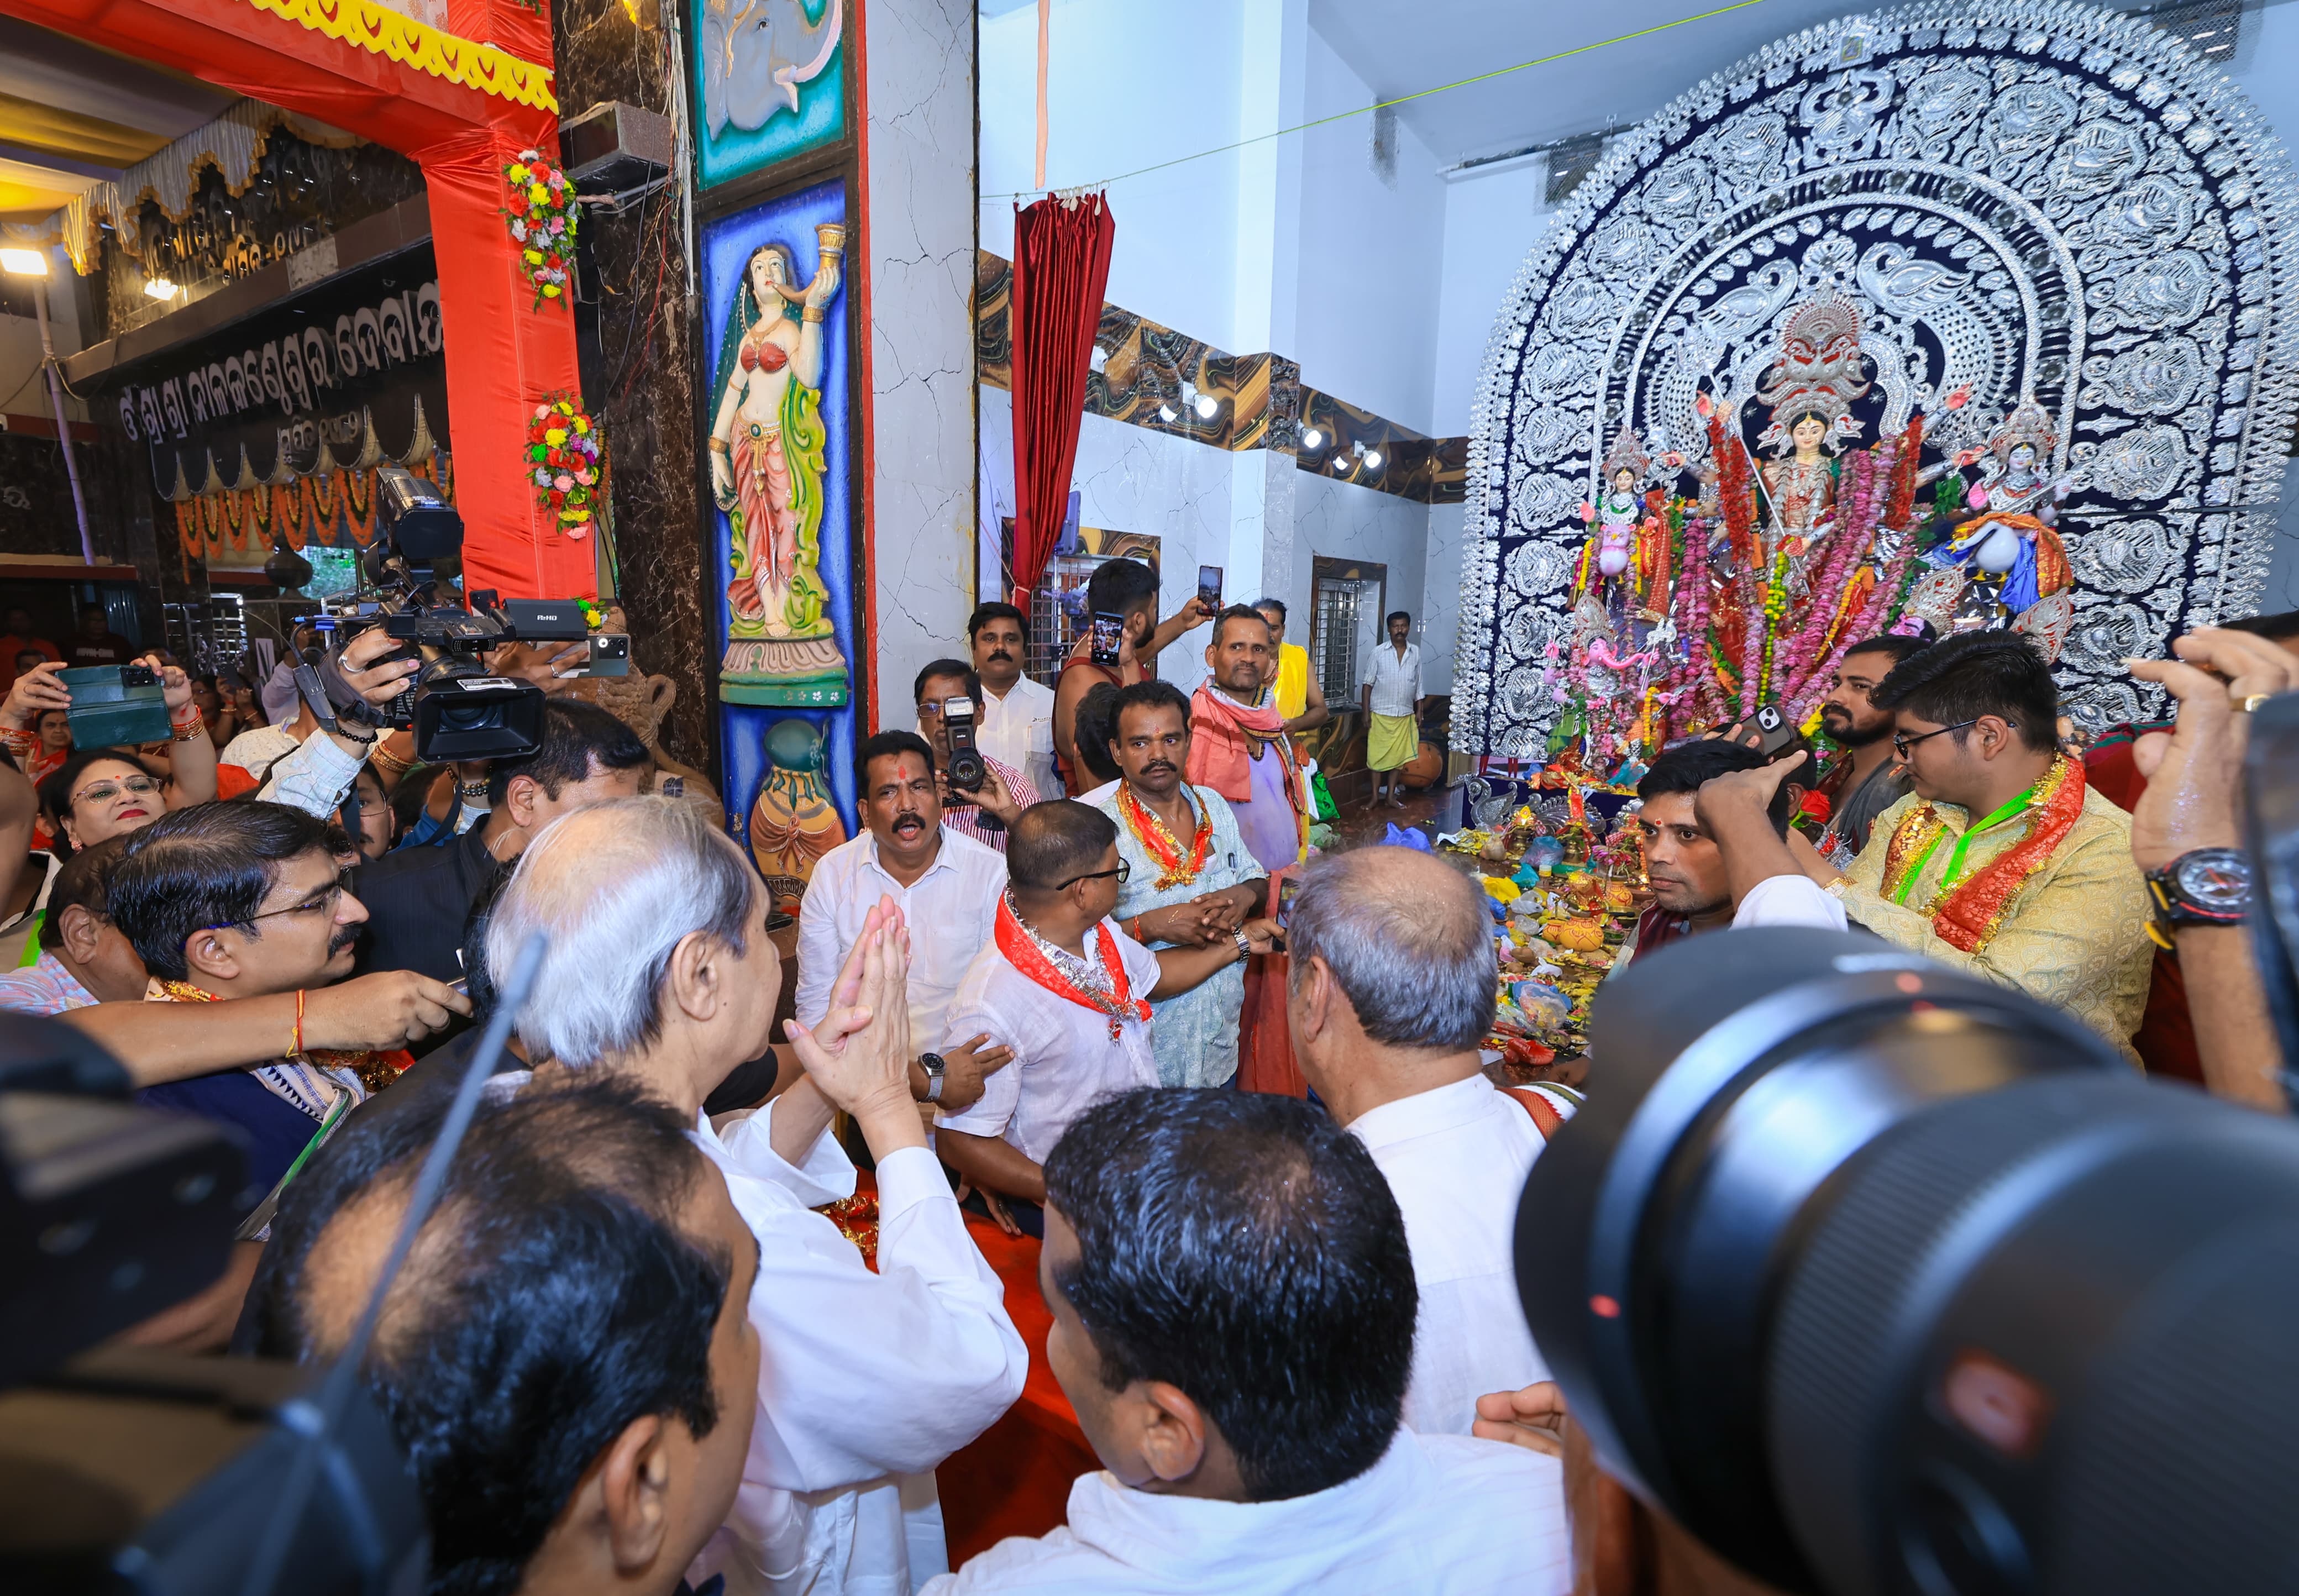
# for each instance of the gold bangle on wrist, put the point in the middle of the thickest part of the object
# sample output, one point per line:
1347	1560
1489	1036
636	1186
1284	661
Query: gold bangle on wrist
719	445
196	726
812	312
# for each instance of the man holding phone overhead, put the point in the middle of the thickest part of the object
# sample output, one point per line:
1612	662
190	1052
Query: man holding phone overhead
1121	597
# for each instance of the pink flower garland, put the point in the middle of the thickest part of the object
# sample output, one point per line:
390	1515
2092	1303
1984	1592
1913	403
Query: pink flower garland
1865	471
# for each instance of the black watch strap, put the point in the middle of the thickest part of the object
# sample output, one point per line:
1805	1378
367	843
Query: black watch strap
2207	887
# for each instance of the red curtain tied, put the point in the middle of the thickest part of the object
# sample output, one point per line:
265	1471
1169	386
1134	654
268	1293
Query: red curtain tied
1061	266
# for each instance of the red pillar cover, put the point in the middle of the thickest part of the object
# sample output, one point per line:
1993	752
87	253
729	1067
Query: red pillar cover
504	357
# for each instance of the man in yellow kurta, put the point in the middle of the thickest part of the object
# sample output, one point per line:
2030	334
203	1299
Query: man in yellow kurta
2001	861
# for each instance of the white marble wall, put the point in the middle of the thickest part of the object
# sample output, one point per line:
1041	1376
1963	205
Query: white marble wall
1339	521
1440	596
919	237
1199	501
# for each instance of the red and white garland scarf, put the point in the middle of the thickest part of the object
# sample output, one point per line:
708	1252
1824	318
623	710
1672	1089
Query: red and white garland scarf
1161	844
1118	1004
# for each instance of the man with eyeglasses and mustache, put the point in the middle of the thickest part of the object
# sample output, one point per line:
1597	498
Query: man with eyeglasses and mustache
244	900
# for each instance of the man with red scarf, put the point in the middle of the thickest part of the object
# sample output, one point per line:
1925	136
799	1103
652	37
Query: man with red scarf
1072	992
2001	861
1238	744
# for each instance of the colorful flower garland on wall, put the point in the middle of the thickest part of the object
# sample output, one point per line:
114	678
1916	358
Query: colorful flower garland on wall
541	210
567	463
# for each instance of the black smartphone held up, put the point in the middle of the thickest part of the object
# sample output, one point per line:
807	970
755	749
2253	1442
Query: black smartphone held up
1108	633
611	655
1770	731
1209	587
115	705
966	771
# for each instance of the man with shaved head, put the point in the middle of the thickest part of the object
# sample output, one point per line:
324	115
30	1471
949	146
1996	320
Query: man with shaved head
1392	993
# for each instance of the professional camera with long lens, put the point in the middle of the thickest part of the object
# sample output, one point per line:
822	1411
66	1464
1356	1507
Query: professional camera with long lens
1880	1278
124	1470
458	710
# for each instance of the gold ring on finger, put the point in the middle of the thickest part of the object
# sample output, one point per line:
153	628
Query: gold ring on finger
2250	701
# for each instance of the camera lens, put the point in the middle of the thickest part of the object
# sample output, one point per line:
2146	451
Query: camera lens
1882	1278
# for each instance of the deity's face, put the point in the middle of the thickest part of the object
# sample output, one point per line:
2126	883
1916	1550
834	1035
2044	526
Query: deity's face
1623	481
2023	457
1808	432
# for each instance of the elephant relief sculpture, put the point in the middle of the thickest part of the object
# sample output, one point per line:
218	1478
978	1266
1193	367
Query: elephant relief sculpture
755	54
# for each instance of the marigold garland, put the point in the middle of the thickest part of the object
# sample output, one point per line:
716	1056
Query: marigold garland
565	461
541	210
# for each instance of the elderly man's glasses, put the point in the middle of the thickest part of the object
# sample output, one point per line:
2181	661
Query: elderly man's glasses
1902	742
104	792
1123	870
323	902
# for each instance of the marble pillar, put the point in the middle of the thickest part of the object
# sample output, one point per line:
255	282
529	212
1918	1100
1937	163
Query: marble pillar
639	374
918	238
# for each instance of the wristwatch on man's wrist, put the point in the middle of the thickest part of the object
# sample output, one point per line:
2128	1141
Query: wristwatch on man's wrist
935	1066
1244	943
2205	886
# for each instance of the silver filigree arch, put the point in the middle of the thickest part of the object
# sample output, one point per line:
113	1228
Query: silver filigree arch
2047	202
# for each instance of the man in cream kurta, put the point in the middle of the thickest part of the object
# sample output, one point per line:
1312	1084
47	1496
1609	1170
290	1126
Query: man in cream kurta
2074	934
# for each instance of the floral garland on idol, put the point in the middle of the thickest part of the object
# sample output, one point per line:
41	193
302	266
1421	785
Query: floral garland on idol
566	462
541	210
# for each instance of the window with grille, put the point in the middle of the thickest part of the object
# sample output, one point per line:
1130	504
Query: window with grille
1058	615
1335	623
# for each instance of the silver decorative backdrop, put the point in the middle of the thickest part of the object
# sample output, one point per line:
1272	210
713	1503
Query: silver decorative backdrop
2046	202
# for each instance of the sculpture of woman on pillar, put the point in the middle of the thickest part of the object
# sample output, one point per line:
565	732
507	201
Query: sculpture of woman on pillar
766	465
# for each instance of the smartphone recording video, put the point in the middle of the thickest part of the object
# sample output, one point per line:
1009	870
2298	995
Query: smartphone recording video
1108	633
1209	584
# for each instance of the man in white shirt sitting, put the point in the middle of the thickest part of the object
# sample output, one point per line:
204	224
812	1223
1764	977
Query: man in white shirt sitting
1017	714
1391	956
1232	1302
659	969
947	888
1070	992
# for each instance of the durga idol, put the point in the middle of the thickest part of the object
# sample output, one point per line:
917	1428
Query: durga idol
766	468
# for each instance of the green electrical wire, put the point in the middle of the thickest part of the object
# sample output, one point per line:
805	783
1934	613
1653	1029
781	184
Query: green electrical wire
1400	100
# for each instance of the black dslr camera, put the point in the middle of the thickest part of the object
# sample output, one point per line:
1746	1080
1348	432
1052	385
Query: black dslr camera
457	709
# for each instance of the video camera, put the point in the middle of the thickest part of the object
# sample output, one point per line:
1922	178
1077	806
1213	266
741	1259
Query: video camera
130	1470
458	710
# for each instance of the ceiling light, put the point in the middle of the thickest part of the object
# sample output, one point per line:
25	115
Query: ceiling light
1373	460
1166	413
160	287
1208	405
1342	462
24	262
1313	439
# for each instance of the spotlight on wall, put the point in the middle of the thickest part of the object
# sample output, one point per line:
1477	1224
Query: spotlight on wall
1167	413
1313	439
160	287
24	263
1207	407
1373	460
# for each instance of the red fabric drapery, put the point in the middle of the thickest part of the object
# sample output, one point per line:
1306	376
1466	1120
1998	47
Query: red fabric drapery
1061	265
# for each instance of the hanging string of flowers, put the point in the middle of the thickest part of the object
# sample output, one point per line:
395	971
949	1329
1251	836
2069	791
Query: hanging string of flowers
566	462
1865	474
541	209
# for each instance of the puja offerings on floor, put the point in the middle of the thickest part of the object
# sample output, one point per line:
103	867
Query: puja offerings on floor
1565	888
